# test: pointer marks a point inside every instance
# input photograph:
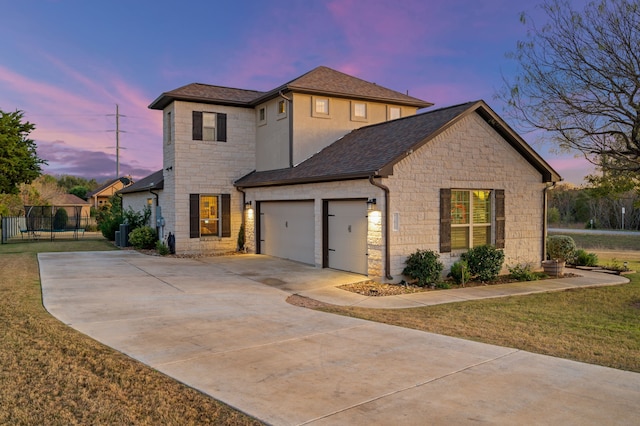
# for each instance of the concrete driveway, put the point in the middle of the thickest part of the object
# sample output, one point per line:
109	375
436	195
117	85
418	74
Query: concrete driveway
221	325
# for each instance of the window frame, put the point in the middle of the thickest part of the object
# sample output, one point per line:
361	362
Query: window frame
223	216
281	112
262	115
314	107
354	109
392	107
496	222
220	132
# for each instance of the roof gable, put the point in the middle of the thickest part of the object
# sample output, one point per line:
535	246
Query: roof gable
374	150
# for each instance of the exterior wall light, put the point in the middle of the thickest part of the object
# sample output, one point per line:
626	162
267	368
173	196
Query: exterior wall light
371	204
247	205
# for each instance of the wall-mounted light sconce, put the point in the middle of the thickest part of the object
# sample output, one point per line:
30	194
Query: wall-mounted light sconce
371	204
247	205
169	168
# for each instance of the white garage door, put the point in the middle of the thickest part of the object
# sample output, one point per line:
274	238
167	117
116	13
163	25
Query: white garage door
347	236
287	230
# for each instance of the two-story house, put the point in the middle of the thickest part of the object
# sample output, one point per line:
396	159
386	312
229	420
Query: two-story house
337	172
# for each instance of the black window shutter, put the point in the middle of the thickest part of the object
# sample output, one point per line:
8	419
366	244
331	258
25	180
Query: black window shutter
445	220
500	218
194	215
197	125
221	124
225	201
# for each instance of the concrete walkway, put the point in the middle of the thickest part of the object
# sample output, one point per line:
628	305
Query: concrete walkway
221	325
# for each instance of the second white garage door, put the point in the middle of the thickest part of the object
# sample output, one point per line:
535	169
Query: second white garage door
347	236
287	230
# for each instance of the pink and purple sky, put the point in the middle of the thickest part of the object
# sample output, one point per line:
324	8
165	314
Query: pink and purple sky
67	63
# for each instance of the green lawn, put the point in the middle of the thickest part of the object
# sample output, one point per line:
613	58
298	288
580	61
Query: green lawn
597	325
52	374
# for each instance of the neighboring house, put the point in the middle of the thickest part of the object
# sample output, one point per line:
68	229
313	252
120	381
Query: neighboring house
337	172
78	210
147	192
100	196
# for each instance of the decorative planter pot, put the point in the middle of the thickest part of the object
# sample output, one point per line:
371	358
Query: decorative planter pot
553	268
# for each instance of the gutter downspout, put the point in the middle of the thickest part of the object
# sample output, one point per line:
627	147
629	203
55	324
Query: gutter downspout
545	206
387	243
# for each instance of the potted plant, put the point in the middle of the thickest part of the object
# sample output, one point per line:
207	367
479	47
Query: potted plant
560	249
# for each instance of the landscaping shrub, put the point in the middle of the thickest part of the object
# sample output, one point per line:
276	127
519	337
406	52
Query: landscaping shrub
561	247
424	266
162	248
110	217
460	272
582	258
523	272
143	238
60	219
485	262
136	219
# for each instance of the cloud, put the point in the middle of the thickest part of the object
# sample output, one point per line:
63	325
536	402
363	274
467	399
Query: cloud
67	160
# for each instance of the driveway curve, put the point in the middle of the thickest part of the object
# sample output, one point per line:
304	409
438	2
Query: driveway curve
221	325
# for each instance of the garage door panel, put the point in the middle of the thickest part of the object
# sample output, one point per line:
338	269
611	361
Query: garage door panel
288	230
347	236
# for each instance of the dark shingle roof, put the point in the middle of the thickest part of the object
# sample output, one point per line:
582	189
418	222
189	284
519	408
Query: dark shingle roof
373	150
320	80
144	184
102	187
67	200
206	93
327	81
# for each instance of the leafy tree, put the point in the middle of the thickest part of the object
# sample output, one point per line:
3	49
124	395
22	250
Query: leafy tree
19	162
579	78
69	182
79	191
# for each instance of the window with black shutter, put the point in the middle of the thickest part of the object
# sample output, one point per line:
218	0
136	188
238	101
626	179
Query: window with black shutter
209	215
209	126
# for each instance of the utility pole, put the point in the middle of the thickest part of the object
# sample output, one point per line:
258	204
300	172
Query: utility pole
117	141
118	131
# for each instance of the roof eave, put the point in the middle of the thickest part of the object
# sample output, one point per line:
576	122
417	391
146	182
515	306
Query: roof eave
316	179
166	99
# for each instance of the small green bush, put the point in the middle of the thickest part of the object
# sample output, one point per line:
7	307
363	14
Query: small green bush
162	248
424	266
582	258
561	247
485	262
460	272
143	238
523	272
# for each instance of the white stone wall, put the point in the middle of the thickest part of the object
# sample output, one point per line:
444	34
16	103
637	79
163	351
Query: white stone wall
139	200
205	167
469	155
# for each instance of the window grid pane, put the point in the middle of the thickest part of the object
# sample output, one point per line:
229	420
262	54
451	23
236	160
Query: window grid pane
459	207
460	238
208	126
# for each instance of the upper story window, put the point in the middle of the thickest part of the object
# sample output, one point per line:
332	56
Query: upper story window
358	111
262	116
209	126
320	107
393	112
282	107
169	128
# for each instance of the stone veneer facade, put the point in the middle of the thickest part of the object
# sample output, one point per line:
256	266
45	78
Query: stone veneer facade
204	167
468	155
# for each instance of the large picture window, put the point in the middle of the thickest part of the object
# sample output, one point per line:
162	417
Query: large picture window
209	215
471	218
